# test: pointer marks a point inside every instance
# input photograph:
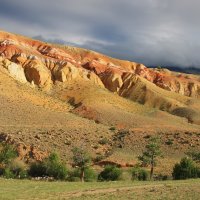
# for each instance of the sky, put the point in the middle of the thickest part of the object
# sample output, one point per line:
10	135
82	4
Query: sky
153	32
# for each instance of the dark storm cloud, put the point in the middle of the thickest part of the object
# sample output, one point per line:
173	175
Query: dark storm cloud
154	32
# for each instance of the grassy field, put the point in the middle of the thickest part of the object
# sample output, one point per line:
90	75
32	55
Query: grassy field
26	189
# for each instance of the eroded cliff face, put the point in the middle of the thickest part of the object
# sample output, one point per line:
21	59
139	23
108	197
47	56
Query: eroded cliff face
39	63
114	76
42	64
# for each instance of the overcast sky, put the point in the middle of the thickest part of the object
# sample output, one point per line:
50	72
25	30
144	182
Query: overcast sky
154	32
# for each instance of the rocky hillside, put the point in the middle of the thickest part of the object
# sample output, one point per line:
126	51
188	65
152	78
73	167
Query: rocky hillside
43	65
50	91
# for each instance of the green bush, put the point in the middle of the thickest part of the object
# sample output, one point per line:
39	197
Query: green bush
8	173
198	172
140	174
23	174
90	175
17	166
185	169
51	167
1	170
55	168
37	169
74	175
110	173
10	167
7	153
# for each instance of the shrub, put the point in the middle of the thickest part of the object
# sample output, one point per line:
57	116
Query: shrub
54	167
198	172
7	153
140	174
110	173
185	169
11	167
143	175
8	173
103	141
169	142
51	166
90	175
1	170
74	175
56	170
23	174
17	166
37	169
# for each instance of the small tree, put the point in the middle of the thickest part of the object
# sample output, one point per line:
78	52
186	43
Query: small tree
81	160
152	151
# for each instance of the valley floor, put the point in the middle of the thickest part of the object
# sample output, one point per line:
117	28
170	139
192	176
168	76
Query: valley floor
26	189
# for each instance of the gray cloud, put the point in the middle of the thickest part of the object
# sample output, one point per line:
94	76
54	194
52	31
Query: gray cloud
153	32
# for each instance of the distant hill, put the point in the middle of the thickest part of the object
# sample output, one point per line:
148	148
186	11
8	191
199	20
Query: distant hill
187	70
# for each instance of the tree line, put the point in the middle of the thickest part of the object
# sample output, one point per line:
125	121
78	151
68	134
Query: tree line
53	168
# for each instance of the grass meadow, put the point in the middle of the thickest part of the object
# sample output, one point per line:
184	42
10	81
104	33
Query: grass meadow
31	189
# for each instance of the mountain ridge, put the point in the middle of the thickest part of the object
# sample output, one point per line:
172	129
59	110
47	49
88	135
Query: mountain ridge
43	64
187	70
